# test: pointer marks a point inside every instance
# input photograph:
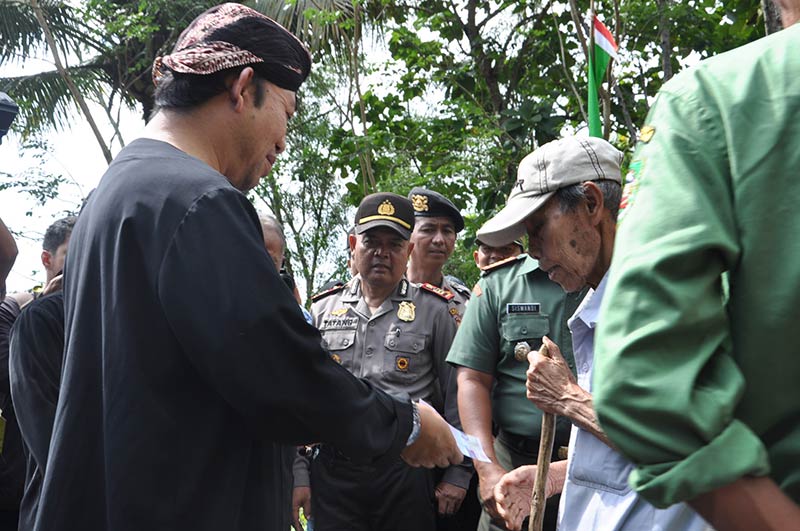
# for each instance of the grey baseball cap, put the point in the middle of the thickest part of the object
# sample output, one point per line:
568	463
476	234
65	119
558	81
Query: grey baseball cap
555	165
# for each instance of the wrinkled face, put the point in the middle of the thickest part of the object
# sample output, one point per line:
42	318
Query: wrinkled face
380	255
263	134
486	255
566	244
434	240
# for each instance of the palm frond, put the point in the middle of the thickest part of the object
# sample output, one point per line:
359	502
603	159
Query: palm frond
21	35
44	99
323	25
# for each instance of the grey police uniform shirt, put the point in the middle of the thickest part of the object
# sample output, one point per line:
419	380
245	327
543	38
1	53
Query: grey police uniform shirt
401	348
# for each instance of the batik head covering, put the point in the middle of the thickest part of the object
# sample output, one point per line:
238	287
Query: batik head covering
230	35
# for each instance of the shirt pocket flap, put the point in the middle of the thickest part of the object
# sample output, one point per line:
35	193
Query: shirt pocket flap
405	342
519	327
339	339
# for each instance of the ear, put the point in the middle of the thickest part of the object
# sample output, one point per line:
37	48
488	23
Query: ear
410	248
237	90
47	259
351	241
594	201
475	257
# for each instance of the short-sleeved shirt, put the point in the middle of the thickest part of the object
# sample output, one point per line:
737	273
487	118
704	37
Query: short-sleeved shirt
401	348
512	303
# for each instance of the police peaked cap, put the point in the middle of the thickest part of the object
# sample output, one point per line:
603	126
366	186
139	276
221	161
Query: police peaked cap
385	210
428	203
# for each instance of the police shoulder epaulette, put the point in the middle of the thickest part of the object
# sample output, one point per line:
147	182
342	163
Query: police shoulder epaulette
323	294
446	294
502	263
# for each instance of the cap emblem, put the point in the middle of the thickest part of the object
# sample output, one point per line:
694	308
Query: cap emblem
386	208
420	202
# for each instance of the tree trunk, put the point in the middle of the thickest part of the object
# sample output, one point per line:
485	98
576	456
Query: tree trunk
664	37
772	16
62	71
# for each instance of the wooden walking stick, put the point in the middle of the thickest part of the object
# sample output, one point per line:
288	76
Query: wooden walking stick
542	464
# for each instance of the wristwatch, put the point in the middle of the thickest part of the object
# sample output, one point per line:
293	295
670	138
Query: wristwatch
416	427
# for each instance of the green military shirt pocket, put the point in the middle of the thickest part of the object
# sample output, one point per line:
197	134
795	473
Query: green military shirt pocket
525	327
406	356
339	344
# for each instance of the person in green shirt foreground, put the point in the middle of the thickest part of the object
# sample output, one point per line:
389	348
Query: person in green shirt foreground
697	384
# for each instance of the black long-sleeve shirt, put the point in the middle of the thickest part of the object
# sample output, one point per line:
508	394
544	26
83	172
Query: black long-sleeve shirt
188	362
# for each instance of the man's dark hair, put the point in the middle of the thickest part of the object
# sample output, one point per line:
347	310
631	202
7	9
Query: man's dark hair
570	197
57	233
179	91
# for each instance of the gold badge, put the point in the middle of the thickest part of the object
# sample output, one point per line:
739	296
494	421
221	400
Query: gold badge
339	312
456	316
420	202
386	208
337	358
646	133
401	363
406	311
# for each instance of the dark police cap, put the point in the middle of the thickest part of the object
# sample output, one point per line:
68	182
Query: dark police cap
385	210
433	204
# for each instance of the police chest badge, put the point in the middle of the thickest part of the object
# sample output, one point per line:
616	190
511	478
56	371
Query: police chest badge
339	312
406	311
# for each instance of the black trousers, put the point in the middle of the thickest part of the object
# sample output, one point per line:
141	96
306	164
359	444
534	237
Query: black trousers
349	497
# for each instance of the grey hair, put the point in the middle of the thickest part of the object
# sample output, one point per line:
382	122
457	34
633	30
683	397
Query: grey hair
269	221
570	197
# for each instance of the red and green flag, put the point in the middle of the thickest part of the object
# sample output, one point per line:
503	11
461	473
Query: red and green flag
604	49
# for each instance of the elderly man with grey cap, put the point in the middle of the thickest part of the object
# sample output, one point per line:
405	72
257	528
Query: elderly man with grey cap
187	361
567	201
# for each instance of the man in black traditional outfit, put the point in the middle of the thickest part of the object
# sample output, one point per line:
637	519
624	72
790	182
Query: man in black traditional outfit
187	360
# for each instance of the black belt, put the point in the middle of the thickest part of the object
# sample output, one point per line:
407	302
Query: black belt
526	445
518	443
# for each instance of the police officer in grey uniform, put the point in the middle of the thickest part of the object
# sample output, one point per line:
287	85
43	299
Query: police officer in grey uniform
438	222
396	335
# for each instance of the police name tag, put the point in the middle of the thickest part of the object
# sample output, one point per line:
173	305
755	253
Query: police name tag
522	307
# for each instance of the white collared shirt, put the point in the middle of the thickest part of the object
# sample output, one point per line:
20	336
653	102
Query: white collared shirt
596	494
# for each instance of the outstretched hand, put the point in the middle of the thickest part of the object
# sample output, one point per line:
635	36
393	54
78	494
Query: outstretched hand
436	446
512	495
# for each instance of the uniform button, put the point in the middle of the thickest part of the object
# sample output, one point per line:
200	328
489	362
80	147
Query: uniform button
369	350
391	343
524	330
372	323
414	346
346	342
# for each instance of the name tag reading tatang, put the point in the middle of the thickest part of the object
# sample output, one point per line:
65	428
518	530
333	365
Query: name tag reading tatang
522	307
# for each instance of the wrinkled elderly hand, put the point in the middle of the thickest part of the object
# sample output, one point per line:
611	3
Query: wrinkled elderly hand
449	498
512	495
549	381
435	446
